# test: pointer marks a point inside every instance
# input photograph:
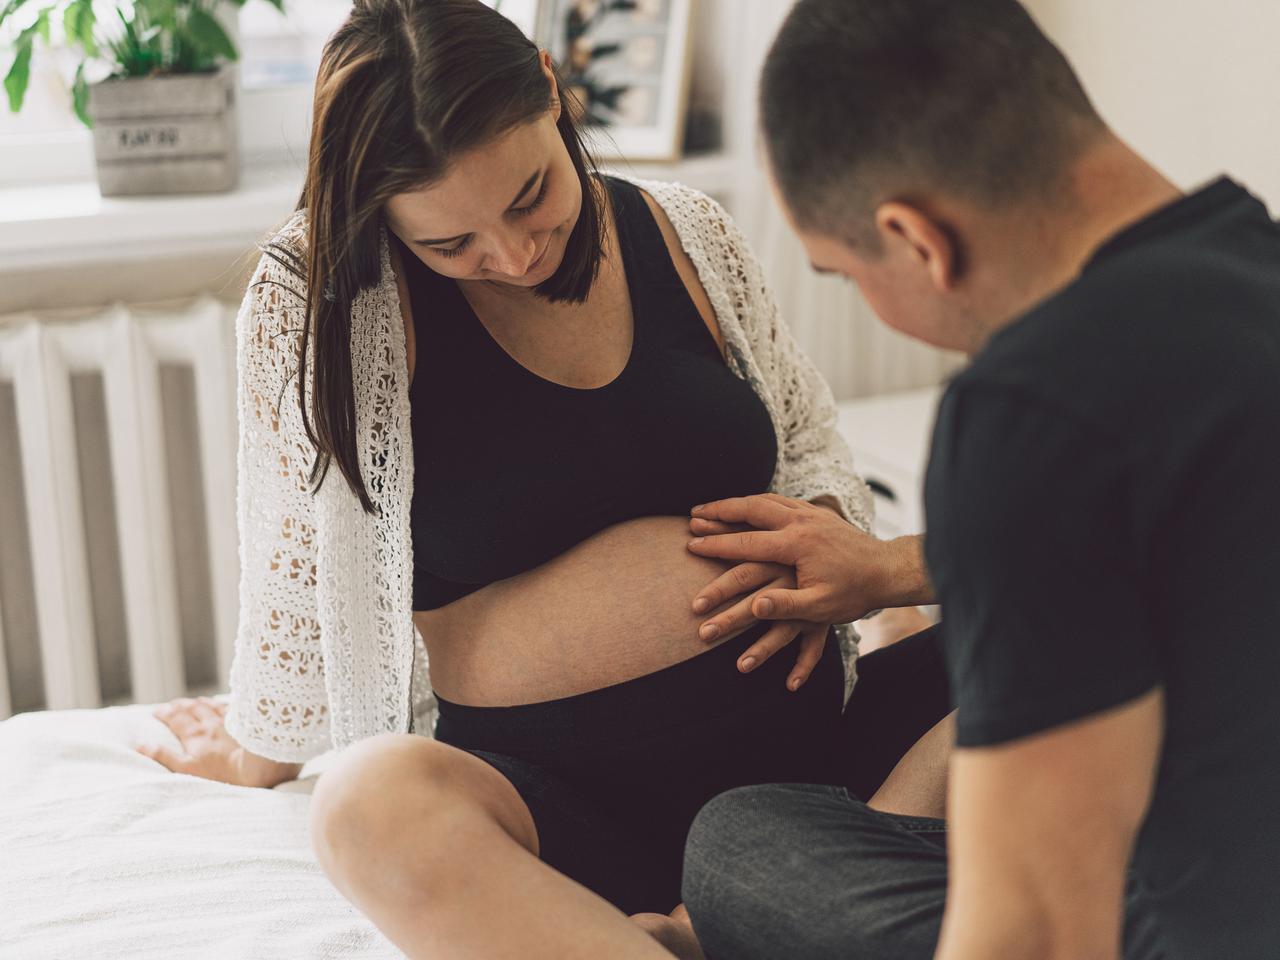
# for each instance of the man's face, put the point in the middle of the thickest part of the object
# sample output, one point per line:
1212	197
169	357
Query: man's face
896	282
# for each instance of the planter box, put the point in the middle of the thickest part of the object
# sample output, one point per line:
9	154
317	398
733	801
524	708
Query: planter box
170	134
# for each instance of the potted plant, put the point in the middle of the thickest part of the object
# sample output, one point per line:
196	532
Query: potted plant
163	118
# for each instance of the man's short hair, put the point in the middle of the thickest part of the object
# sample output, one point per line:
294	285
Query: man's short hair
863	101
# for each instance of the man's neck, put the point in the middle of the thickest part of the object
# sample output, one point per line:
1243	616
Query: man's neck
1108	189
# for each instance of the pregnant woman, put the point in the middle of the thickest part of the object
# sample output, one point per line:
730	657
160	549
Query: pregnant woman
526	374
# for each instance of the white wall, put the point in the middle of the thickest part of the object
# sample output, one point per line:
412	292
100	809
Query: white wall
1193	85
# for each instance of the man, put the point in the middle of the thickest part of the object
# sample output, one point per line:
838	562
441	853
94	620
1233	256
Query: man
1102	532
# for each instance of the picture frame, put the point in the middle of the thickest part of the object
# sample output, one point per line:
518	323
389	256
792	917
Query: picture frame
628	62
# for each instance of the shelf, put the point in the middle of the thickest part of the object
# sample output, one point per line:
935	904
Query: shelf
712	173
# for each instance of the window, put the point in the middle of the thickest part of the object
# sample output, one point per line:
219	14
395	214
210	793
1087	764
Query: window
285	50
45	143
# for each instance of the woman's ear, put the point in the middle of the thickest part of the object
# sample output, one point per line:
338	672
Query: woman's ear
549	72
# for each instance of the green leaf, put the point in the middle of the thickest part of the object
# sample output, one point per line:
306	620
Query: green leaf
78	22
157	15
209	33
131	56
41	25
278	4
15	81
80	97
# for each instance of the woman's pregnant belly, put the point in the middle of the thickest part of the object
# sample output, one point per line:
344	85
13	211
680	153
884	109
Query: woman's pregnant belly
615	607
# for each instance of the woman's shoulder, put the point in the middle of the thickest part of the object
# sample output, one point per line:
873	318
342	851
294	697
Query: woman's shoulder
282	262
288	236
278	283
695	215
718	253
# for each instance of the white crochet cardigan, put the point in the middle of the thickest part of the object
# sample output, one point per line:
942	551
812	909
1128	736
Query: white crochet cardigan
325	643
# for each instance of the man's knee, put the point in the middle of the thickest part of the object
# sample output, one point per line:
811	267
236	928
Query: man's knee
715	848
749	879
806	871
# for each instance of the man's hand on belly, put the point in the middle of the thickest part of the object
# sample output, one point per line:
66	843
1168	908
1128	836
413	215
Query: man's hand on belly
841	572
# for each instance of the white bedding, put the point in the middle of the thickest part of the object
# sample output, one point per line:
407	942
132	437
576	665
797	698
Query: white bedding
105	854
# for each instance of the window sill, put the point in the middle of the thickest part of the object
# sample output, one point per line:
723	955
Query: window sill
73	224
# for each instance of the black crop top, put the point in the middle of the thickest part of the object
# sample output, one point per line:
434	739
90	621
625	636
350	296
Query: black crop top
511	470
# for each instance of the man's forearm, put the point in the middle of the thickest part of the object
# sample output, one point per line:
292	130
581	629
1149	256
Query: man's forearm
906	578
907	583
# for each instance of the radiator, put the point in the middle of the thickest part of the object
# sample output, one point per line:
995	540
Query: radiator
119	563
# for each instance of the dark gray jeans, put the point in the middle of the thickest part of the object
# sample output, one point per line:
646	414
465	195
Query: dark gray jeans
808	872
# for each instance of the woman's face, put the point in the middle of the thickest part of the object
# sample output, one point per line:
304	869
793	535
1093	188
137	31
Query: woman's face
503	212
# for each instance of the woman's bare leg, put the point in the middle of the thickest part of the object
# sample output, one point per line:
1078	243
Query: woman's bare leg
439	851
674	932
917	786
889	626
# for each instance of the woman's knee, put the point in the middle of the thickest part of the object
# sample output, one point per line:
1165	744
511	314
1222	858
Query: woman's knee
393	786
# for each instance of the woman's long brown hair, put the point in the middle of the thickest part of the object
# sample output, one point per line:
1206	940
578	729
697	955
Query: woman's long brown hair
405	87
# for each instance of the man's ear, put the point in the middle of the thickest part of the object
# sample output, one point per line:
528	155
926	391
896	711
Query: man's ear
924	239
549	72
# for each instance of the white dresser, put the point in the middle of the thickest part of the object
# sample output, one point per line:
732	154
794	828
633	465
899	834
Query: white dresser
889	436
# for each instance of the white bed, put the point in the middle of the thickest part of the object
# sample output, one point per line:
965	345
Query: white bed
105	854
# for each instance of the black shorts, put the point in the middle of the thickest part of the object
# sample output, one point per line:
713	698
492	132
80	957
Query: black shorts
614	777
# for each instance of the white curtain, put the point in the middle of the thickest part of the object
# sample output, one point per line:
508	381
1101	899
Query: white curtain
857	354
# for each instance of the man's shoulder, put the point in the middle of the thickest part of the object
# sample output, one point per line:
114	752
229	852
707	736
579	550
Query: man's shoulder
1142	340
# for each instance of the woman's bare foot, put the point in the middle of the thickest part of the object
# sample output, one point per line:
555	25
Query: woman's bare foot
674	932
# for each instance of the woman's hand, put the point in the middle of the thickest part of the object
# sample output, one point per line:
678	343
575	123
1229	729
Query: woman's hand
812	637
208	750
747	581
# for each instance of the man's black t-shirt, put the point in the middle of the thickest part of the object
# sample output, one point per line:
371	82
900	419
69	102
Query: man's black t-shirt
1103	505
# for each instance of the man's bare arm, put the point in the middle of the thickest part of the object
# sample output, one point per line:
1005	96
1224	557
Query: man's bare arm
1041	833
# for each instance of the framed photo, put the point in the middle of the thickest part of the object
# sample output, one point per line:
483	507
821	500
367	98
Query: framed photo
628	63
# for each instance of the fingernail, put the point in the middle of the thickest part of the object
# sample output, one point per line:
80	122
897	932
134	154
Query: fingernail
748	664
794	683
709	632
700	605
697	508
696	541
765	606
